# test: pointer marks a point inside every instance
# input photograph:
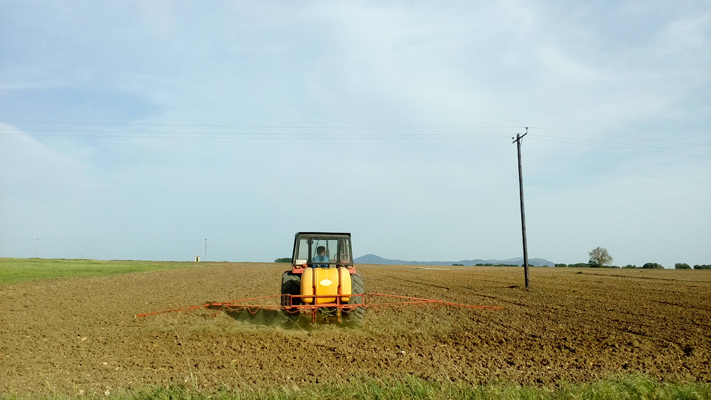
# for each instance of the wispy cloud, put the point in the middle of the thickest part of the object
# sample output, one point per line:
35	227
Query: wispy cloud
182	121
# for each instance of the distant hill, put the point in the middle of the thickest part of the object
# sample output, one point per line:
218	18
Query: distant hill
373	259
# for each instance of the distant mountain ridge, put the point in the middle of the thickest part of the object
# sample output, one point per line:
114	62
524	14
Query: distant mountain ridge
373	259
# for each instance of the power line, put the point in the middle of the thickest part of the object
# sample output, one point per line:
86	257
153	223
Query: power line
269	126
255	132
589	141
271	137
334	127
636	138
266	136
240	133
367	133
625	146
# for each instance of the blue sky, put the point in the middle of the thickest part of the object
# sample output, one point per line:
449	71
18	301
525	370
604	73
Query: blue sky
136	130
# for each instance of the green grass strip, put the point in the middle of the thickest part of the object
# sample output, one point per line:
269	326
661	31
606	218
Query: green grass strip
633	387
619	388
13	270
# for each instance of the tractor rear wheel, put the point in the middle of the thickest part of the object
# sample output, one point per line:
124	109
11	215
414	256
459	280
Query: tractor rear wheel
290	284
354	317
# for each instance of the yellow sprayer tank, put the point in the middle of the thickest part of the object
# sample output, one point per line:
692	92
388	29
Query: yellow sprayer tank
324	282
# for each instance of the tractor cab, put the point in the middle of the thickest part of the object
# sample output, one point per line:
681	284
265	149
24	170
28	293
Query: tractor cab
322	250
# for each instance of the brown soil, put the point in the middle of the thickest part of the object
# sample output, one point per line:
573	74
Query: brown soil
79	336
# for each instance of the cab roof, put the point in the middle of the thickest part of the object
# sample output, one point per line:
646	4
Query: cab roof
323	234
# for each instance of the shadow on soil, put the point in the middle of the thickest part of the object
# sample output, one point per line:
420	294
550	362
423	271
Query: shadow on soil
258	317
274	318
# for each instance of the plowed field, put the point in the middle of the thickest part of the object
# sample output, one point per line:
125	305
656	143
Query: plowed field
79	335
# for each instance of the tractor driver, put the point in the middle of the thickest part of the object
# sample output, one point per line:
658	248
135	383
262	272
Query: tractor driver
321	257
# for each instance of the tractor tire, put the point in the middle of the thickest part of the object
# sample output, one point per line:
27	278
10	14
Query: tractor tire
354	317
290	284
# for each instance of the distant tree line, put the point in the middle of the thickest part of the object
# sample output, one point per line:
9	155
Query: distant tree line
590	265
497	265
600	258
580	265
645	266
283	260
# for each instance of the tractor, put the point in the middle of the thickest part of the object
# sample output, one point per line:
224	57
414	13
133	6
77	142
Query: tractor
323	280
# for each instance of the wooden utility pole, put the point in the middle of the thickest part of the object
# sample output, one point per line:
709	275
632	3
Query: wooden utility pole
523	213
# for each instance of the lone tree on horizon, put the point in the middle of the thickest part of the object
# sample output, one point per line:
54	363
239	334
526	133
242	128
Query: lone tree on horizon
599	257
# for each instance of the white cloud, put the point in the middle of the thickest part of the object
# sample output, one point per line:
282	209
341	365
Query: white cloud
687	33
564	69
608	69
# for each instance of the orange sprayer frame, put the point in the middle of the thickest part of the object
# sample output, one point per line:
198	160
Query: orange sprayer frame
252	308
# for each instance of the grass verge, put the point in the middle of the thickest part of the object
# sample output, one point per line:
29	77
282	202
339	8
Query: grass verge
13	270
635	387
631	387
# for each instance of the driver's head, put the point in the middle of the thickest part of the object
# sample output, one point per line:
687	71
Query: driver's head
321	250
